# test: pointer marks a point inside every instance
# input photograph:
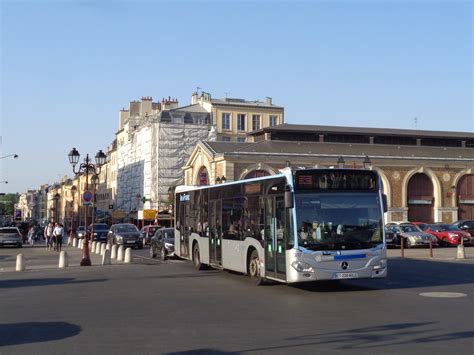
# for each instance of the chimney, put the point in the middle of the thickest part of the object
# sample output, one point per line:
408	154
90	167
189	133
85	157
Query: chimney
206	96
169	103
194	98
268	100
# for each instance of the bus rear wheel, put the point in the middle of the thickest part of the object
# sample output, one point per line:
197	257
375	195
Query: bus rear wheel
197	258
253	269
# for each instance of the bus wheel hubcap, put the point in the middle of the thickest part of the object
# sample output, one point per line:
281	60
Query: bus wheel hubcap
253	267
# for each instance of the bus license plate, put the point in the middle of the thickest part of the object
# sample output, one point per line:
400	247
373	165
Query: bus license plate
346	275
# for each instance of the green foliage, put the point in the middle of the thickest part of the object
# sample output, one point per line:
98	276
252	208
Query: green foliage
7	203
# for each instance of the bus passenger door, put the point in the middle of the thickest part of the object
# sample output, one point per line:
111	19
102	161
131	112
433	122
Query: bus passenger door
184	231
215	231
275	264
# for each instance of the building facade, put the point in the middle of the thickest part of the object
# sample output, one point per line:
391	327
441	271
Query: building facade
427	175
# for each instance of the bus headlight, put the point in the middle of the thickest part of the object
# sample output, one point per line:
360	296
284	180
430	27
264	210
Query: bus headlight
382	264
302	266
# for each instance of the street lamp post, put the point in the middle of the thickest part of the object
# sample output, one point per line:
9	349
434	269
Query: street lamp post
94	182
73	193
88	168
10	155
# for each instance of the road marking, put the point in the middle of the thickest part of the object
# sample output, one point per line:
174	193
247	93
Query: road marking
443	294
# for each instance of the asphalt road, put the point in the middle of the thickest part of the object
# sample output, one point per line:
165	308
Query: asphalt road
151	307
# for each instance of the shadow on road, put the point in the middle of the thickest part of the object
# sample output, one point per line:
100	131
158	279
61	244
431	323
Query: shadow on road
43	282
202	352
34	332
373	337
403	273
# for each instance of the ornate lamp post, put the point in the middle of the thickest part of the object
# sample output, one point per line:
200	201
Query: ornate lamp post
88	168
94	182
73	193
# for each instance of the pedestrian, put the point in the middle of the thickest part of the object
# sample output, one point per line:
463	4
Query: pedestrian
48	235
58	234
31	235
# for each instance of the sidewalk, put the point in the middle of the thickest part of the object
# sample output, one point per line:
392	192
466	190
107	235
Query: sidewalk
448	254
37	257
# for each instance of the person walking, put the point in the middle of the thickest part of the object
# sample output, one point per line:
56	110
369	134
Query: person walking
58	236
31	235
48	235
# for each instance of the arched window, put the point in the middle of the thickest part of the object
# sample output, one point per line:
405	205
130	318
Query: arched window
203	177
420	198
256	173
465	197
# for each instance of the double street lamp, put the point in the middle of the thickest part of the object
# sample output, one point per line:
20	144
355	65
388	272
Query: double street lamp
87	168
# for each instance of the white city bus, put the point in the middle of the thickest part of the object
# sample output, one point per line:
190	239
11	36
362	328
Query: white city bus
296	226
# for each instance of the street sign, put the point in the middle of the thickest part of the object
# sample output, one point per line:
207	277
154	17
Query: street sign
87	196
147	214
118	214
84	203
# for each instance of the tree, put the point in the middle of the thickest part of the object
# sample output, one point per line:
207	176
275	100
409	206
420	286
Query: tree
7	203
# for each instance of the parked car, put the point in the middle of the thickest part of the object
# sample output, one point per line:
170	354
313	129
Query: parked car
80	232
448	234
466	226
101	231
11	236
412	236
126	234
148	232
162	243
391	237
421	225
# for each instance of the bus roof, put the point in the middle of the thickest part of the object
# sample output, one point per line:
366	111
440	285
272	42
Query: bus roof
283	172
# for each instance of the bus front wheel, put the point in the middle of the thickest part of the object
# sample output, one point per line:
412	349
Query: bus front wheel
197	258
253	268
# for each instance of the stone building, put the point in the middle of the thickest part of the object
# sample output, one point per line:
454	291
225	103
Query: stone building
427	175
154	141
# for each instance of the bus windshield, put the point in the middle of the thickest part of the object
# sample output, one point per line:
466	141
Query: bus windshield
338	221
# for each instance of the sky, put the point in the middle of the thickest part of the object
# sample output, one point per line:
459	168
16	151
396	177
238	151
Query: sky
68	67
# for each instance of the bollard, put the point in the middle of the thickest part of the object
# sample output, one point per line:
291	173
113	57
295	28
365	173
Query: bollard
128	256
63	260
113	253
401	247
431	248
106	258
97	247
92	247
74	242
79	244
461	253
102	248
120	253
108	246
20	265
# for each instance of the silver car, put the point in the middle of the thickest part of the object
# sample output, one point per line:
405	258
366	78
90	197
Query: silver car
10	236
414	236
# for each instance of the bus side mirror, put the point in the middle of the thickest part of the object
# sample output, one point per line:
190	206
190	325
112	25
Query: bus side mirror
289	199
384	202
